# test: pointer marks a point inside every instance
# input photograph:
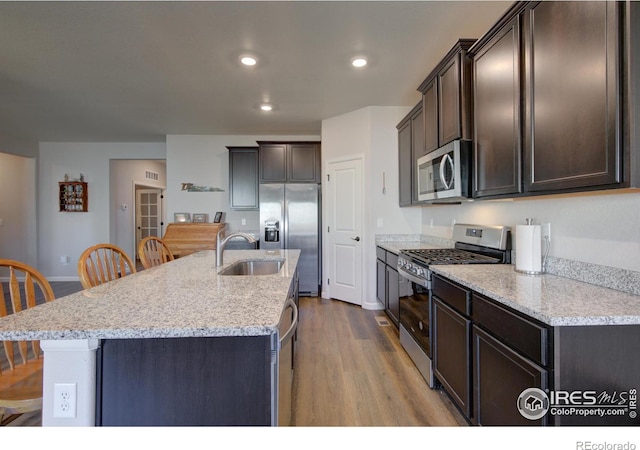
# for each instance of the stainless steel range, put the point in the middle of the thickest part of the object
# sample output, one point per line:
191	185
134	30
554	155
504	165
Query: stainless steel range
474	244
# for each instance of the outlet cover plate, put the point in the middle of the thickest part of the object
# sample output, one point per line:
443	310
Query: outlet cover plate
64	400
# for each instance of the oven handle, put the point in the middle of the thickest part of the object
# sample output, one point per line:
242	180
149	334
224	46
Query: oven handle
411	277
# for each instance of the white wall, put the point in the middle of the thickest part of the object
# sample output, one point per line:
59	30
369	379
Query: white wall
204	160
18	209
125	174
599	229
69	234
370	132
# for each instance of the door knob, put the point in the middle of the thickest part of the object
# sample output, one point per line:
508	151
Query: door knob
357	238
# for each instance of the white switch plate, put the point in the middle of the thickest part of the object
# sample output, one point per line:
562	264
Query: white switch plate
244	221
380	223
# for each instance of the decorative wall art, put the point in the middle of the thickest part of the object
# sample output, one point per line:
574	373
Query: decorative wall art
190	187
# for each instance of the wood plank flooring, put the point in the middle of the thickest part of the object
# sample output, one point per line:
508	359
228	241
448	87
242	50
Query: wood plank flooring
350	371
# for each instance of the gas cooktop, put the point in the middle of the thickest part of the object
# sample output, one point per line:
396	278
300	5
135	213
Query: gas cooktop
448	256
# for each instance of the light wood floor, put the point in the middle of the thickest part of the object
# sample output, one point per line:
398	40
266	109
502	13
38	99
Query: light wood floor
350	371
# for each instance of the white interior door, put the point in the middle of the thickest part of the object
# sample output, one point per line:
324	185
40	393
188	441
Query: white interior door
148	214
345	230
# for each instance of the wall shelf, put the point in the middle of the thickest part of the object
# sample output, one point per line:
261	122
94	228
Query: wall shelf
73	196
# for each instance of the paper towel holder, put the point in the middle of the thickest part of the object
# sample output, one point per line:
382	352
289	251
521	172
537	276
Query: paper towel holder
537	262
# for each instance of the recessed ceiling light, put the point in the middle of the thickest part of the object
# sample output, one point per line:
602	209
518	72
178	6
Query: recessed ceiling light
359	62
266	107
248	60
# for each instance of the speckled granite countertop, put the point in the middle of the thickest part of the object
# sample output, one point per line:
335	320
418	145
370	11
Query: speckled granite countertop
551	299
182	298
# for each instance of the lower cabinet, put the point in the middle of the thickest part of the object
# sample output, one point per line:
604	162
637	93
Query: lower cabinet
451	351
500	375
485	355
389	284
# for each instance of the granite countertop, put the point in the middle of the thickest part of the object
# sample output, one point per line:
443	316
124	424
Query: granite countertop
554	300
182	298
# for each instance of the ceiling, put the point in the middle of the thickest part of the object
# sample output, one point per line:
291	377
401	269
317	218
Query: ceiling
121	71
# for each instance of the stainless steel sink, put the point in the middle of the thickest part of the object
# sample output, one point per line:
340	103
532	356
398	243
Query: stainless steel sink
254	267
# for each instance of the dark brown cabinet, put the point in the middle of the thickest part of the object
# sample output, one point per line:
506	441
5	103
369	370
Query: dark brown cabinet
493	364
389	284
549	100
511	353
486	354
446	99
497	143
243	178
451	351
572	102
289	162
410	147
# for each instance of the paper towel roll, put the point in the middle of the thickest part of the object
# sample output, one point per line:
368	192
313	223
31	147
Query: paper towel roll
528	249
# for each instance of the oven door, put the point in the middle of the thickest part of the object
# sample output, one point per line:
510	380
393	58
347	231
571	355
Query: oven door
415	319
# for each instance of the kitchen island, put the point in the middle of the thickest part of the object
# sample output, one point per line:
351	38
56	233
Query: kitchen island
177	344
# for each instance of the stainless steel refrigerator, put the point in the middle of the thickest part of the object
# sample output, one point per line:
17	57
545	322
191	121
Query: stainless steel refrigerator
290	219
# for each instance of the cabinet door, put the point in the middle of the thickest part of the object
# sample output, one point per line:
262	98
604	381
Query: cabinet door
449	102
381	282
500	375
393	294
273	163
243	178
417	150
430	111
497	142
405	163
303	163
451	353
572	101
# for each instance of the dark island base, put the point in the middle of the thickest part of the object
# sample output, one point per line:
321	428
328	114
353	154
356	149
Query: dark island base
184	382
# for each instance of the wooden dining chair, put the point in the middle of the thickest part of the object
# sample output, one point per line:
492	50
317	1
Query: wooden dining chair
153	252
102	263
21	378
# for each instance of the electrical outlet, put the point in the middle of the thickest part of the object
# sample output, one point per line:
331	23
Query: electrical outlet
545	231
64	400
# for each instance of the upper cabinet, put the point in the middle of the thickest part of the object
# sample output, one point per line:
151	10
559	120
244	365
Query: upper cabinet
410	144
243	178
496	113
572	103
446	99
289	162
549	105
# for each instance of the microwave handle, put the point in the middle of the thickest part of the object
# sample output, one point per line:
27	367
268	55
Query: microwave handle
446	159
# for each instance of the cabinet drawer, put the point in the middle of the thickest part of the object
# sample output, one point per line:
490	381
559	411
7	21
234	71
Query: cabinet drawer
522	334
380	254
451	294
392	259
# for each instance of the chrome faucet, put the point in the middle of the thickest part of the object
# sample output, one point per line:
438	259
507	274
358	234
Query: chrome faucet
221	243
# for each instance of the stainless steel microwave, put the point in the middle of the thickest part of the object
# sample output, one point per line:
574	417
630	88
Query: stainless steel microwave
444	175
